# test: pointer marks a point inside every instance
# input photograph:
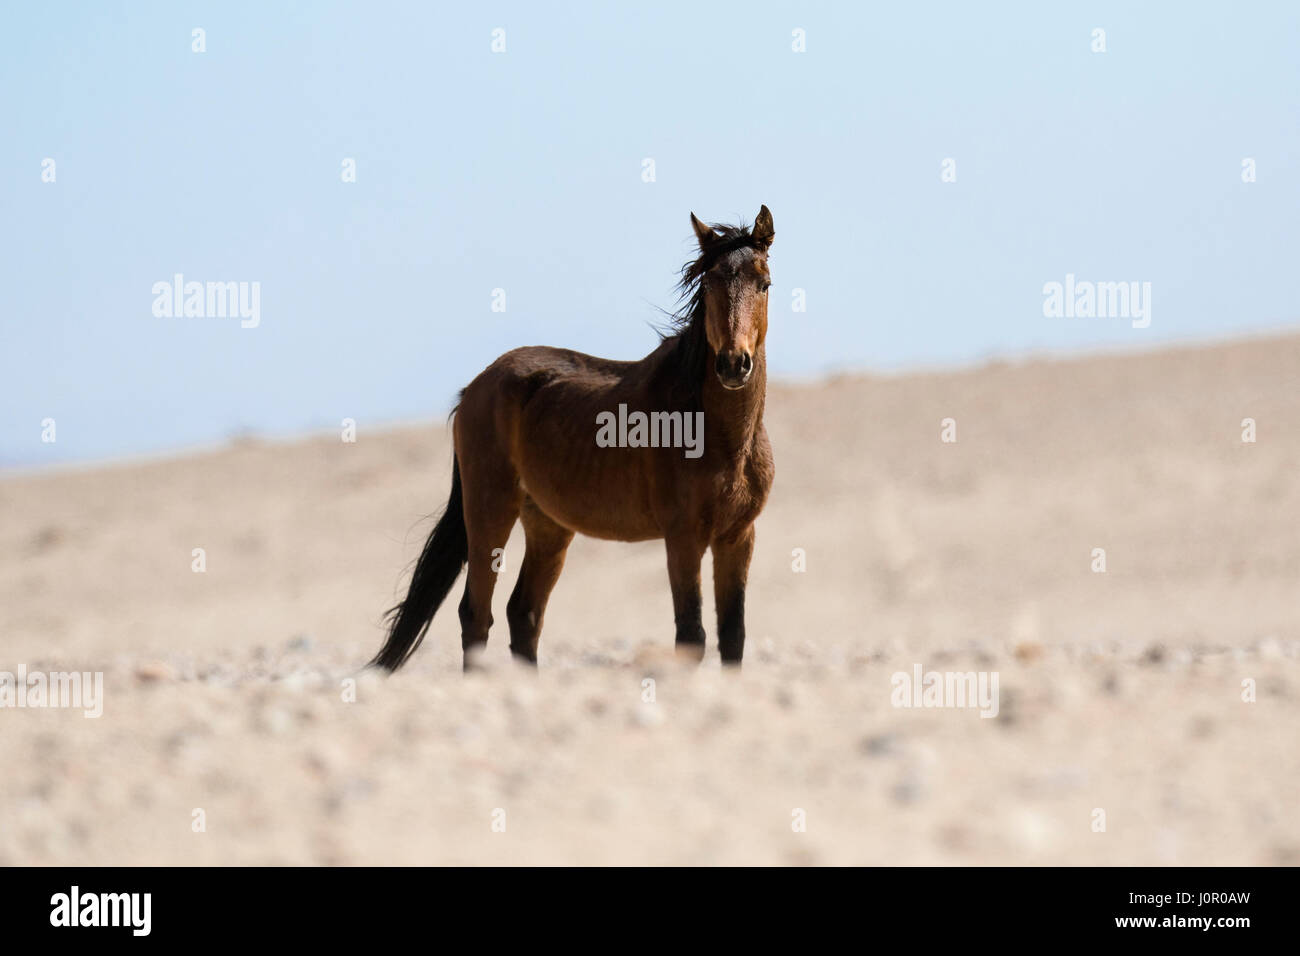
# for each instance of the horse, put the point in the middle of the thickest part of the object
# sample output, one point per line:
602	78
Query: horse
534	442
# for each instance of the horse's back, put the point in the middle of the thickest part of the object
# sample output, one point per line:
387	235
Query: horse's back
534	366
566	377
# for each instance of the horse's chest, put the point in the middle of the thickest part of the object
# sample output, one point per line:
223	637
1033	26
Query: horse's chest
741	493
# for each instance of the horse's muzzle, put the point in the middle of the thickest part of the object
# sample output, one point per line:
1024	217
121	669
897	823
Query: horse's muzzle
734	368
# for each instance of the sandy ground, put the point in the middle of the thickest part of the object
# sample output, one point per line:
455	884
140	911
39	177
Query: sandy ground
226	691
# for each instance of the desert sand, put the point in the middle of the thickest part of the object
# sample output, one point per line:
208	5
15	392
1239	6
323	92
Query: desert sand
236	692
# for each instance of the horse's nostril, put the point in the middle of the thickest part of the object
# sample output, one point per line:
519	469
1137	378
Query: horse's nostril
733	366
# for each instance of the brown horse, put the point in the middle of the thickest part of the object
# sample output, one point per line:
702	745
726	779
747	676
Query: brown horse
535	440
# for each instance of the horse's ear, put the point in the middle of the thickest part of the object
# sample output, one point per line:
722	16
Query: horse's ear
763	232
703	233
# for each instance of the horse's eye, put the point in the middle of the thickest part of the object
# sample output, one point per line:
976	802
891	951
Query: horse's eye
767	284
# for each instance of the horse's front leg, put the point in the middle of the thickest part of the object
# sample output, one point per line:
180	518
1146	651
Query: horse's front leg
684	556
730	570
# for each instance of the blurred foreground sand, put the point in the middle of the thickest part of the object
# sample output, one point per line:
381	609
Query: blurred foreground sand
1120	691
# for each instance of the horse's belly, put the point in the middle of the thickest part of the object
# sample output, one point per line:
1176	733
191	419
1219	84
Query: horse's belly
615	512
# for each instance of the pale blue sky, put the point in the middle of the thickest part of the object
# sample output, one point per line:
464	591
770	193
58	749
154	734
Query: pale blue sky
522	171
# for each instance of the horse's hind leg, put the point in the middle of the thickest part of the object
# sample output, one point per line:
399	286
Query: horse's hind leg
545	545
492	496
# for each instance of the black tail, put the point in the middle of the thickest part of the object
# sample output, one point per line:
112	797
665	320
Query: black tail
440	564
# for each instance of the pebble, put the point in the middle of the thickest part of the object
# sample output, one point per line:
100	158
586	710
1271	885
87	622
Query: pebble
1027	652
151	671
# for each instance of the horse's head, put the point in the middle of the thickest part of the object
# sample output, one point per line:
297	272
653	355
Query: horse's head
733	282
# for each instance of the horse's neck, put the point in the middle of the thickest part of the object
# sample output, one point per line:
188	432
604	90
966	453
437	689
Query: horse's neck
735	416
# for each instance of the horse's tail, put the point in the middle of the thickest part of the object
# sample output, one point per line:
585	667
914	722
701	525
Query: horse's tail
440	564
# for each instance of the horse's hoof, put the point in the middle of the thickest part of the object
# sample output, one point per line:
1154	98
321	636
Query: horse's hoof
690	652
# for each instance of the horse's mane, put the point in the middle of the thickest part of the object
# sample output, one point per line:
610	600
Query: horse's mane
690	344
